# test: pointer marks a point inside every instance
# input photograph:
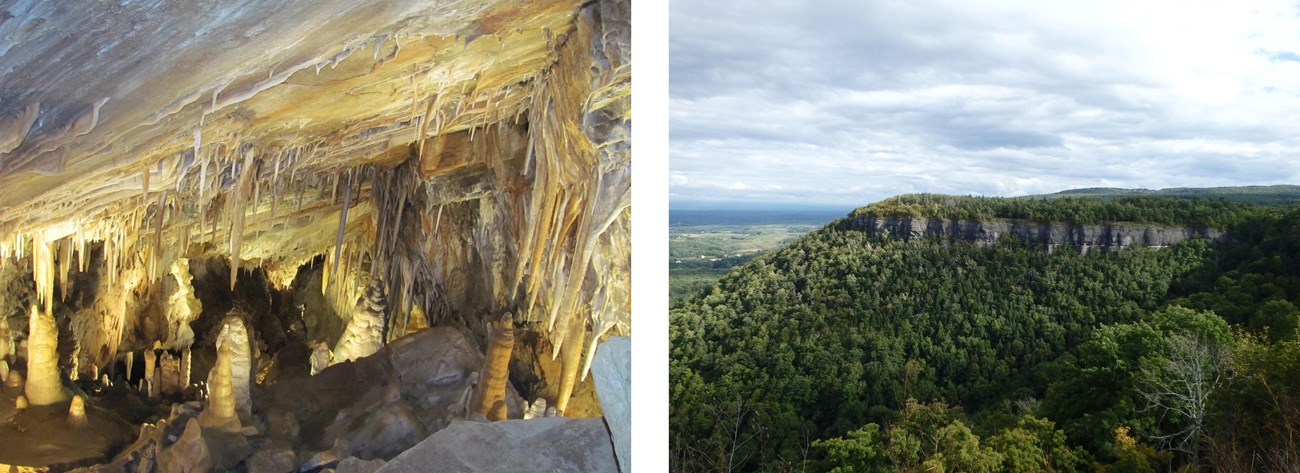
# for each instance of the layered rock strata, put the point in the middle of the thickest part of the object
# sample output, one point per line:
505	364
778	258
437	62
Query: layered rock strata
1110	236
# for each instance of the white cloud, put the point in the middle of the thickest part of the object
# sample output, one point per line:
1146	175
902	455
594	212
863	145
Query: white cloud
849	102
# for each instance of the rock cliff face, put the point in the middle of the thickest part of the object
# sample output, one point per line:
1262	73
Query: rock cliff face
1105	237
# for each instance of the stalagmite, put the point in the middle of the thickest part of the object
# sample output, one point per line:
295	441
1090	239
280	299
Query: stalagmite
234	337
14	379
103	381
43	384
182	307
6	339
20	402
364	333
130	363
220	412
496	369
77	413
150	364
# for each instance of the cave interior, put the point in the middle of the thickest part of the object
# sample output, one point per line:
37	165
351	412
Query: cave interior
274	236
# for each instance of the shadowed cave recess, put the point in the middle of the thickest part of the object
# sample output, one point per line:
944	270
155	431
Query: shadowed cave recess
314	236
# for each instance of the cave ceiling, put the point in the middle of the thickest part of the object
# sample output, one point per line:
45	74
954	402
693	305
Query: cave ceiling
105	105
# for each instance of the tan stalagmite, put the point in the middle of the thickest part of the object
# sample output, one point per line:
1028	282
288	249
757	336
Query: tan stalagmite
6	339
150	365
496	370
20	403
130	361
234	336
43	384
364	333
77	413
220	412
4	369
182	307
14	379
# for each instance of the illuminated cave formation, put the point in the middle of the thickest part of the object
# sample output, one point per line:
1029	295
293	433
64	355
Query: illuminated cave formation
265	235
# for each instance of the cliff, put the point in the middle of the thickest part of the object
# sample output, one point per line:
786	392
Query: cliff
1106	237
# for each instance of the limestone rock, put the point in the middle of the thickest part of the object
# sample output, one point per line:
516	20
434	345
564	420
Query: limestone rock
551	444
190	453
612	372
536	409
320	357
357	465
1110	236
272	460
43	384
379	431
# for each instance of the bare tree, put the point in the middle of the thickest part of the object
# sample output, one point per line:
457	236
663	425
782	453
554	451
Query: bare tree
1178	388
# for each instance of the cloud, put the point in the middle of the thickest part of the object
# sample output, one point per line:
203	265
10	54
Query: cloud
849	102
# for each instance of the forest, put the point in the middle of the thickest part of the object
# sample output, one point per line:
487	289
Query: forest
846	352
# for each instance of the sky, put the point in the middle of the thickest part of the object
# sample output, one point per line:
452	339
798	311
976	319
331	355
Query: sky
851	102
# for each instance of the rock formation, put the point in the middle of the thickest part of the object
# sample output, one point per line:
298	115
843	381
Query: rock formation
190	453
221	412
364	333
492	381
234	337
320	356
43	384
612	371
1105	237
77	413
550	444
182	307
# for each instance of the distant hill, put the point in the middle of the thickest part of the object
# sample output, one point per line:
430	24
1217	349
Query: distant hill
837	351
819	216
1262	195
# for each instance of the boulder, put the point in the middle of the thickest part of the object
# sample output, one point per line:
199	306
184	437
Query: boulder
546	444
612	372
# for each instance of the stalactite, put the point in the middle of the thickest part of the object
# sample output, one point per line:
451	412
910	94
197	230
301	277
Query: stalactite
236	210
343	224
43	271
65	259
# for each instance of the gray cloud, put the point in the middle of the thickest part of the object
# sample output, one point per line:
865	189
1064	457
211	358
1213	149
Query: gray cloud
849	102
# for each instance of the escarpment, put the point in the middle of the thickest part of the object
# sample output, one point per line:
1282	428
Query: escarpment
222	223
1104	237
